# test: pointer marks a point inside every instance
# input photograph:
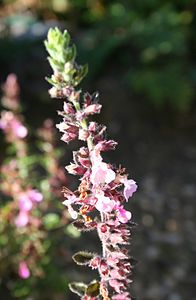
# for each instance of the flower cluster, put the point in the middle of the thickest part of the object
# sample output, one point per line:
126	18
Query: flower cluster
12	126
27	200
22	193
10	121
98	202
14	182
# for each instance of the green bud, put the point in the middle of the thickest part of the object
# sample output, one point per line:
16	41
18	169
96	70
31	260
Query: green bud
62	58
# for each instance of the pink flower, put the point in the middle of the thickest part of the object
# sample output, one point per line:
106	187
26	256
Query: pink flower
124	296
68	108
35	196
123	215
92	109
112	261
95	262
27	199
19	130
92	127
25	204
106	145
118	255
67	137
23	270
104	204
72	212
9	123
75	169
61	126
101	173
130	188
71	199
83	134
67	127
114	273
22	219
116	238
116	285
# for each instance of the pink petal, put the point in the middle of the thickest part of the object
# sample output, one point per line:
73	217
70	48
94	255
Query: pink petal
23	270
20	131
123	215
25	204
35	196
130	188
70	200
101	174
72	212
104	204
117	285
22	219
124	296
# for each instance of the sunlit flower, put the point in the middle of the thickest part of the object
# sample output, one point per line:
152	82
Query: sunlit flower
71	200
104	204
101	173
130	188
123	215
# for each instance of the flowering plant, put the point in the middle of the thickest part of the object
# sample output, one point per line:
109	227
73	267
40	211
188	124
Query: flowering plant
31	221
98	202
20	212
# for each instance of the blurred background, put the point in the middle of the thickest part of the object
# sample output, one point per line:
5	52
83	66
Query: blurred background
141	57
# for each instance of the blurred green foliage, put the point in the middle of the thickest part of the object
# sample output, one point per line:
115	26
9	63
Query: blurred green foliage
153	41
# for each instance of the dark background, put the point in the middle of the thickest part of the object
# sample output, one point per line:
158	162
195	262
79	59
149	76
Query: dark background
141	57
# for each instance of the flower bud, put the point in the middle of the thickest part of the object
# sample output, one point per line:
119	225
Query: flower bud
83	134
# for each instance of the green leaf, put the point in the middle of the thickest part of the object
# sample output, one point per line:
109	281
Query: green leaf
51	49
51	81
78	288
66	37
80	74
93	289
72	53
82	257
55	65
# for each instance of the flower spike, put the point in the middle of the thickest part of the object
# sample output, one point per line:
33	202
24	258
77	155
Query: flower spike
103	188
